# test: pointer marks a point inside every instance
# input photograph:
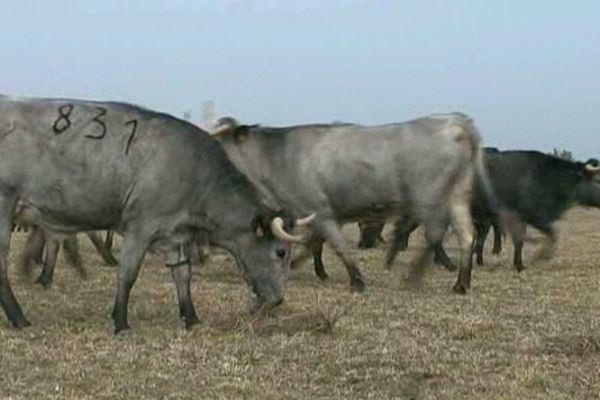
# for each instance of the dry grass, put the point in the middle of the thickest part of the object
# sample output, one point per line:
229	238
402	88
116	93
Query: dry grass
527	336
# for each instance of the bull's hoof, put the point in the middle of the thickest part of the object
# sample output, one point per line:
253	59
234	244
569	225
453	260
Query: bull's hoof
121	329
459	288
191	322
21	323
44	281
358	286
520	267
450	267
323	276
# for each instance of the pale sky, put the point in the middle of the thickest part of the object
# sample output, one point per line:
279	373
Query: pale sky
527	71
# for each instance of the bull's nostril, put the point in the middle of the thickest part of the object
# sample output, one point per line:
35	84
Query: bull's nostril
280	253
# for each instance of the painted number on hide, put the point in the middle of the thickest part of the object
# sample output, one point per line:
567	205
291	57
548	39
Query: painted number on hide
63	122
133	123
98	121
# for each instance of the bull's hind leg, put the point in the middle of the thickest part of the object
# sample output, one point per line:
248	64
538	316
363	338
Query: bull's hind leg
109	241
403	227
47	275
102	248
9	303
73	255
483	229
332	233
435	222
548	249
442	258
462	224
33	252
497	238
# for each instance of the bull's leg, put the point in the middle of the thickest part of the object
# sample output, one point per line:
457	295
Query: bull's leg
200	249
47	275
441	258
102	248
497	239
462	224
73	256
483	228
316	248
435	222
130	260
9	303
109	241
33	251
548	248
403	227
182	276
517	231
332	233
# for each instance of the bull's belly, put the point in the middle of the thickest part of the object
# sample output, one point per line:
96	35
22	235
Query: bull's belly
66	217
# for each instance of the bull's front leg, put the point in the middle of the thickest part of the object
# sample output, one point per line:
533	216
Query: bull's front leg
9	303
130	260
181	271
330	230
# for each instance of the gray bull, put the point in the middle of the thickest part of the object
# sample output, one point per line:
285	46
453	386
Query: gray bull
71	166
343	172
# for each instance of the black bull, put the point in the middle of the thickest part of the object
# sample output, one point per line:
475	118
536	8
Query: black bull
533	188
71	166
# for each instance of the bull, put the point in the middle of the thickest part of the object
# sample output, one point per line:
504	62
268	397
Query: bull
75	165
342	172
532	188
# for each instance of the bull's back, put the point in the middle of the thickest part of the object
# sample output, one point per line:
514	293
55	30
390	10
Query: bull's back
79	159
379	168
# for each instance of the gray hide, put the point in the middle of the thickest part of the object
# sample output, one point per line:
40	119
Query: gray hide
70	166
343	172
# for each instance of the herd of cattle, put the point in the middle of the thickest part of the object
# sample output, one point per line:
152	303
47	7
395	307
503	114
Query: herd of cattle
69	166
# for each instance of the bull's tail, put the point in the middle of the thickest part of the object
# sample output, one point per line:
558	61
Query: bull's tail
482	181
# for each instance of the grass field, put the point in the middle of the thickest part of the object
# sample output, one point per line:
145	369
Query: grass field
529	336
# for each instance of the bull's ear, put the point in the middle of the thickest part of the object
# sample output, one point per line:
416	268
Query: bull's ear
591	167
242	132
258	226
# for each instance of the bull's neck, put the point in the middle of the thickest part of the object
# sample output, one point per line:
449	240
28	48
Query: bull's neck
250	158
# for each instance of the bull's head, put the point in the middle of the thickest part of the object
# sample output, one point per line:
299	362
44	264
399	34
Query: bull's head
588	191
264	256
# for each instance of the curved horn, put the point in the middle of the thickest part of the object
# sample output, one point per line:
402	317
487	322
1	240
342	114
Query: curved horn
220	129
592	168
306	220
281	234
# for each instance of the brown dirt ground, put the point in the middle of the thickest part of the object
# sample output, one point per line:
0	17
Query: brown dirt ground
532	335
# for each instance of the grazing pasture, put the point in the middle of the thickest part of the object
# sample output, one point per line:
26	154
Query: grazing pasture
529	335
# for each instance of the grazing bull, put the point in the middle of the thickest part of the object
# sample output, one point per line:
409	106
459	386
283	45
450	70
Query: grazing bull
534	189
343	172
72	165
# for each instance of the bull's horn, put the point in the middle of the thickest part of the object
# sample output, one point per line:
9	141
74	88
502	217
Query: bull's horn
220	129
281	234
592	168
306	220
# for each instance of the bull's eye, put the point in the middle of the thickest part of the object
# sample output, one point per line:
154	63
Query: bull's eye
280	253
